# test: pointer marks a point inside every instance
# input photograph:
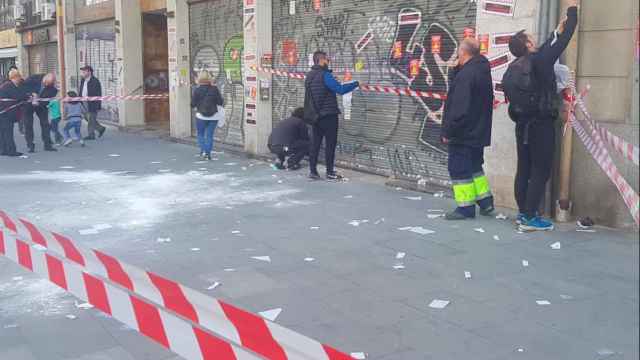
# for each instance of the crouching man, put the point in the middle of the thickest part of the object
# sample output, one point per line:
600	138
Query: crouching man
290	141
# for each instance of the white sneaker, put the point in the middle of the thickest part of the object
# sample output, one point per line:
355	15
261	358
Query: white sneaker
67	142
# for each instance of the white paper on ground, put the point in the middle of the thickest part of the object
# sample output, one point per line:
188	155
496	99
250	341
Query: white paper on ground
496	237
195	249
214	285
314	228
543	302
467	275
230	164
566	297
262	258
358	355
235	232
398	267
358	222
525	263
101	227
70	317
520	350
400	255
556	246
435	211
586	230
480	230
66	167
164	170
501	216
439	304
163	240
88	232
606	352
17	278
379	221
271	314
155	162
309	259
348	196
114	155
10	326
417	229
83	306
439	194
229	270
435	216
413	198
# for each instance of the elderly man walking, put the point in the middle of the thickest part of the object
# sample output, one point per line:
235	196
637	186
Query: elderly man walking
466	128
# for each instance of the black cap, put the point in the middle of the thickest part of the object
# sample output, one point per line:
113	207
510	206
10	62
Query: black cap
87	68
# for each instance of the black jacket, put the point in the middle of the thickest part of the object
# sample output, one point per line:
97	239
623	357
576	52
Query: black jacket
288	132
46	92
326	101
8	90
94	88
200	95
468	110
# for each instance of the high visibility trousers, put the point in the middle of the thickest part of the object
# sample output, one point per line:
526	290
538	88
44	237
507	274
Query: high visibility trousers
470	185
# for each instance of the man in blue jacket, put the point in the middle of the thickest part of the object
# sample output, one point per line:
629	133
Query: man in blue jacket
321	89
466	128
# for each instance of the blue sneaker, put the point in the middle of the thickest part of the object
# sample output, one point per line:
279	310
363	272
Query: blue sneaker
520	219
536	223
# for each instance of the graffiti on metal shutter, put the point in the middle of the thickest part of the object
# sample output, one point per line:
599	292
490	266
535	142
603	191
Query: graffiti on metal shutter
405	44
217	45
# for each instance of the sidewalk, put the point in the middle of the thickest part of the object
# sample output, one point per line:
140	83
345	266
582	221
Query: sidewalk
219	215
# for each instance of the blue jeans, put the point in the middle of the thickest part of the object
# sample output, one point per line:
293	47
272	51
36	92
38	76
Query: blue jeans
206	129
75	125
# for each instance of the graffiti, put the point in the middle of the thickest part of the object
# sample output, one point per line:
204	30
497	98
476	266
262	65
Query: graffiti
217	45
396	43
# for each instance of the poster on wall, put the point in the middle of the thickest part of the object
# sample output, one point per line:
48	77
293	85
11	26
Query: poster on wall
499	7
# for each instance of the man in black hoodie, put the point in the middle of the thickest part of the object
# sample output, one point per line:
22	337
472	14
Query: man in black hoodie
290	138
535	133
466	128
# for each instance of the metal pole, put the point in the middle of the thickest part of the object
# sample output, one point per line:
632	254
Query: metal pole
61	58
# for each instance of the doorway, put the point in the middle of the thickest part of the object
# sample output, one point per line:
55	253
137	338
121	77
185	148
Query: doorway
156	69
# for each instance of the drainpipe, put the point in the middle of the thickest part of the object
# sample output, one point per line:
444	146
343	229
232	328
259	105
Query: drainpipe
569	58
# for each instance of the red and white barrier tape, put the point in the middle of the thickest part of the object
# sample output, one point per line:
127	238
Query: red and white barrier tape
628	151
98	98
189	341
234	325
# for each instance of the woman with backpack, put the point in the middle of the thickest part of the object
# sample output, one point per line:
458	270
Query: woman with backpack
208	103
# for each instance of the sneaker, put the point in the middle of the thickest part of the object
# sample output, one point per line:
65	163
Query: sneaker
67	142
207	157
536	223
314	176
487	211
521	218
334	176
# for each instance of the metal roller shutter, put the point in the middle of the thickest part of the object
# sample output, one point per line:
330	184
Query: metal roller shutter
390	43
96	46
43	59
217	45
52	58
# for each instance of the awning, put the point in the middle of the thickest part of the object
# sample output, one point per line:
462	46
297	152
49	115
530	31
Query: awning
8	53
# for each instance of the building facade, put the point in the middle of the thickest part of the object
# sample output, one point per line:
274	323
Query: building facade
158	46
8	39
37	36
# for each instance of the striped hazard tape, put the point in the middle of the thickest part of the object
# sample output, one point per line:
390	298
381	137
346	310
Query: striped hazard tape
98	98
244	332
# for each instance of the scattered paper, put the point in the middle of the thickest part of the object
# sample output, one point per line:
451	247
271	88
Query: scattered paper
230	164
496	237
280	181
520	350
114	155
566	297
556	246
525	263
400	255
358	355
467	275
439	194
101	227
358	222
417	229
83	306
214	285
91	231
480	230
399	267
586	230
244	168
262	258
164	170
439	304
271	315
66	167
398	188
501	216
71	317
195	249
379	221
348	196
435	211
235	232
314	228
413	198
17	278
309	259
543	302
24	157
434	216
10	326
155	162
606	352
229	270
163	240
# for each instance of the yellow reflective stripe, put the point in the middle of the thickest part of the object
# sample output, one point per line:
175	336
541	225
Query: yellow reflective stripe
465	193
481	184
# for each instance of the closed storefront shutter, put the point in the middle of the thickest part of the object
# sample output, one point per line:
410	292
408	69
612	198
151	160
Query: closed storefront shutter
52	58
96	46
217	45
43	59
382	42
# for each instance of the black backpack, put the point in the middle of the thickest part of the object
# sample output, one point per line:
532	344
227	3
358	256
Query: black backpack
521	89
208	106
311	115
